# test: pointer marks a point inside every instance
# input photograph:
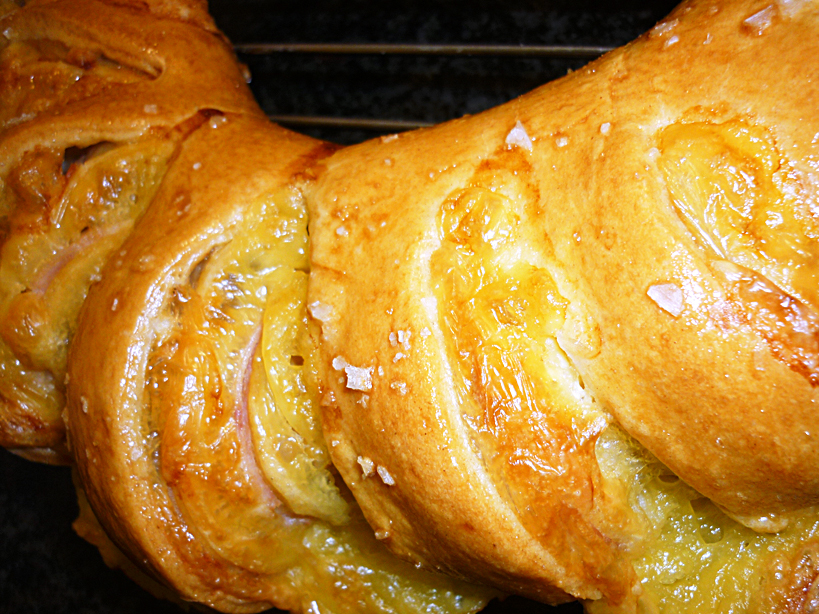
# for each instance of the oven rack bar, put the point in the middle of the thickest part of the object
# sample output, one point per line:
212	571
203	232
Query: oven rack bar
588	52
355	123
523	51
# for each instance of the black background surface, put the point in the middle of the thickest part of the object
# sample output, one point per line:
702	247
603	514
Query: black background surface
44	567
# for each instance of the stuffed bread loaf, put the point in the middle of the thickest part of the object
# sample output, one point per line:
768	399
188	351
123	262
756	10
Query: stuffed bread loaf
568	347
499	411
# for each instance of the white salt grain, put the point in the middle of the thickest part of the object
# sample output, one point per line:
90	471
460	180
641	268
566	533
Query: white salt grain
367	466
359	378
320	311
761	20
668	296
385	476
518	137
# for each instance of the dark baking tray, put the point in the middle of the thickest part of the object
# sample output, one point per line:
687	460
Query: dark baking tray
44	567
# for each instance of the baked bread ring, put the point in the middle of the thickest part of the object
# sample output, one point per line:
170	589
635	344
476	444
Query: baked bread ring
95	101
566	348
569	346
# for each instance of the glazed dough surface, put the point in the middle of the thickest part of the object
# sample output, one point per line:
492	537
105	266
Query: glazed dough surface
628	253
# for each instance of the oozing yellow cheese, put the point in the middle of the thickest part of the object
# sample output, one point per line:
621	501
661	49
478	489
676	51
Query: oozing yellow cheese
59	231
744	203
570	474
237	435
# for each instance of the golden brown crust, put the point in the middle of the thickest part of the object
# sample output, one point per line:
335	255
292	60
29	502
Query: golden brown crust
107	403
177	58
500	304
190	425
85	77
161	407
657	329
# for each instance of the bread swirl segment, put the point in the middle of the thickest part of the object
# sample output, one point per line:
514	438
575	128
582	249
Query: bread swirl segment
746	442
73	183
187	471
657	334
109	431
443	508
172	57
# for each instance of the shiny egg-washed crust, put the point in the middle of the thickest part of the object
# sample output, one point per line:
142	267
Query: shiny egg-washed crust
202	204
191	69
693	381
191	509
186	65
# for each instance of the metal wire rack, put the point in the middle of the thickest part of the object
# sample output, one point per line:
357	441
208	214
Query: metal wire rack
563	52
348	71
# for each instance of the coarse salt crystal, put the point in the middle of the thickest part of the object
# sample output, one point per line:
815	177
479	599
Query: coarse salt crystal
664	27
425	332
562	141
342	231
359	378
761	20
791	8
668	296
385	476
518	137
389	138
605	128
320	311
367	466
671	41
339	363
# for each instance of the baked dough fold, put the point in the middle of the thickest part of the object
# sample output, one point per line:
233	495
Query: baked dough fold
539	318
96	99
